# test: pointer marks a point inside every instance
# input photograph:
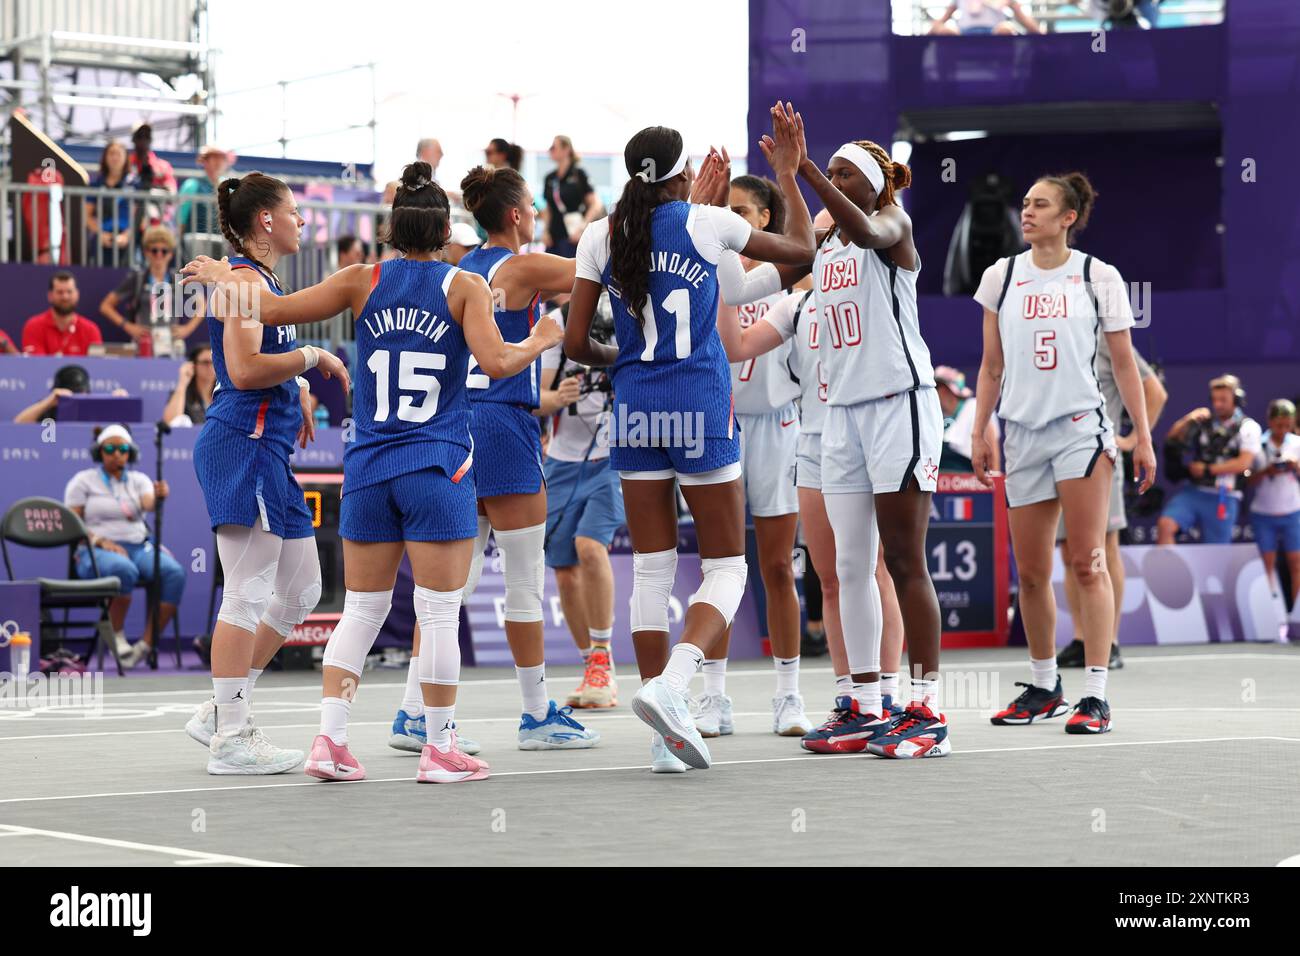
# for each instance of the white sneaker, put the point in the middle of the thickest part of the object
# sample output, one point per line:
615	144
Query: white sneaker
712	715
661	761
788	718
249	752
123	647
668	712
203	724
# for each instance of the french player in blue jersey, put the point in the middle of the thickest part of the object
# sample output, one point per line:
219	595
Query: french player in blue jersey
507	438
408	484
673	421
256	507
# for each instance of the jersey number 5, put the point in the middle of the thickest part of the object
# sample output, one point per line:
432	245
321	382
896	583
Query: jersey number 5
410	378
678	302
1045	349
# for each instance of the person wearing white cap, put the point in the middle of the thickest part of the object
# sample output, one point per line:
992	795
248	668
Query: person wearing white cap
882	438
463	238
112	499
198	212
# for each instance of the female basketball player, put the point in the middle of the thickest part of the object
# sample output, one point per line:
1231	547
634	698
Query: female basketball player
882	436
1040	345
408	485
507	441
264	531
657	253
764	389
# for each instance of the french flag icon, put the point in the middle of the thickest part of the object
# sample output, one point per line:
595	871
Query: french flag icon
961	509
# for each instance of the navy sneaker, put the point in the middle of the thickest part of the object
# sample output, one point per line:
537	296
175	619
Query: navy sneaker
1034	704
558	731
892	707
1071	654
847	730
1091	716
918	733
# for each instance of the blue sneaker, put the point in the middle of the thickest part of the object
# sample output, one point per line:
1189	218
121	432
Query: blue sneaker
920	733
558	731
892	707
409	735
847	730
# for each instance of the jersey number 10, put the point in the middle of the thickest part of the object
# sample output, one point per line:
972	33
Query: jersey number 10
410	378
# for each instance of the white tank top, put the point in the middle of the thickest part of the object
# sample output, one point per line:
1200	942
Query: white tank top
871	344
1049	327
795	317
765	384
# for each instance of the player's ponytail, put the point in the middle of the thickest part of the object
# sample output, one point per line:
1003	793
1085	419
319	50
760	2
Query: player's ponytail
649	154
421	214
1077	193
897	176
238	201
490	193
766	195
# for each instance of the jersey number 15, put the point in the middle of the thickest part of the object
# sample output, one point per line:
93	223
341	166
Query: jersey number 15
410	378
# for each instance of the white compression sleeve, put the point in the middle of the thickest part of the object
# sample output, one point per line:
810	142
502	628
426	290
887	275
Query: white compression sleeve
857	544
739	286
438	615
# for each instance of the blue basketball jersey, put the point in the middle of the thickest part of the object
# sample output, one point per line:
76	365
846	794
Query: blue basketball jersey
272	415
409	401
515	325
674	360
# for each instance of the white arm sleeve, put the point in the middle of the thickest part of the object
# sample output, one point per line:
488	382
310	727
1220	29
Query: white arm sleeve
738	286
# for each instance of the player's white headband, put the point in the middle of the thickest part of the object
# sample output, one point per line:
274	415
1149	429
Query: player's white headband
860	158
114	431
678	166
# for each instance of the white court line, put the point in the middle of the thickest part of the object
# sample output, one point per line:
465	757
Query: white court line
809	758
948	665
190	856
600	718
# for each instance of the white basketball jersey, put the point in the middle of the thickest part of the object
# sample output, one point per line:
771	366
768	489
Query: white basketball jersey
871	343
795	317
1049	323
765	384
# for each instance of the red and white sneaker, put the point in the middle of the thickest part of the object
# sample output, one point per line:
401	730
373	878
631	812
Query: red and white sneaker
920	732
331	761
1091	716
454	766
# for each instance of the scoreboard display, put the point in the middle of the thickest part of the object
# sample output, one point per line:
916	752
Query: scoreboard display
968	551
321	489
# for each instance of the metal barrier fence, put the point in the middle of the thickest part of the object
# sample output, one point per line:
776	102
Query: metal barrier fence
79	225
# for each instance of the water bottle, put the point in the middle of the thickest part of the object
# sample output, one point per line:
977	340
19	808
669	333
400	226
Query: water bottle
321	416
20	655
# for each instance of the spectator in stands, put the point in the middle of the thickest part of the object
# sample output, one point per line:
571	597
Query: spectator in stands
984	18
59	330
571	201
153	175
7	346
1223	443
501	153
1124	13
195	381
1275	508
351	251
429	151
68	380
142	303
955	398
463	238
201	216
108	219
112	499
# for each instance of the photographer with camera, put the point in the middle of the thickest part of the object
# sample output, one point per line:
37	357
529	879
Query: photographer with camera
1223	444
584	507
1275	507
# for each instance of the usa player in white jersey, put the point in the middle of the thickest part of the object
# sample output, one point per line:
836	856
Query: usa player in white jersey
657	254
793	319
1042	312
882	438
765	388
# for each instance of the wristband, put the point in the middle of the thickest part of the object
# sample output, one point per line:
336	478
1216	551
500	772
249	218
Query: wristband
310	356
302	382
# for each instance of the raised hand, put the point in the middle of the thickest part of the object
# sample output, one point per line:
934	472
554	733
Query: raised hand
207	271
782	147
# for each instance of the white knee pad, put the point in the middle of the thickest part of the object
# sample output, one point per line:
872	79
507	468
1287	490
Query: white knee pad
364	613
248	559
438	615
476	562
297	586
723	585
652	586
525	571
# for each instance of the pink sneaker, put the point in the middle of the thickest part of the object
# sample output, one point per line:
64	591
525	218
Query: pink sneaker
329	761
454	766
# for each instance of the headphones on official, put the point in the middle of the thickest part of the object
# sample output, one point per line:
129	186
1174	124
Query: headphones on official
1231	382
97	455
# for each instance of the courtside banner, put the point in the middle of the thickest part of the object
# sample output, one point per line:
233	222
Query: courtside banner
968	551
